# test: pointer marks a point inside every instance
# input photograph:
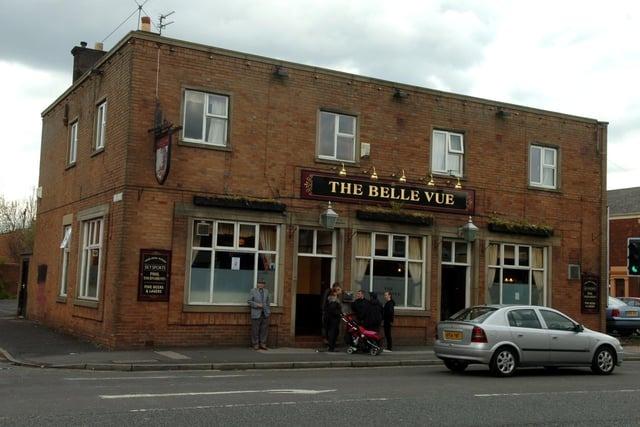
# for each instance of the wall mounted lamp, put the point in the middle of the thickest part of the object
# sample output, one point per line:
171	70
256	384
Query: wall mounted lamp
281	71
328	218
400	94
468	232
342	172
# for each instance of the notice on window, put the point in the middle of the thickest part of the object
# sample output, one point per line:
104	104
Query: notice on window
155	277
235	263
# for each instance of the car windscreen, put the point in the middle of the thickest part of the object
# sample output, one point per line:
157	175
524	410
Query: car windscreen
473	314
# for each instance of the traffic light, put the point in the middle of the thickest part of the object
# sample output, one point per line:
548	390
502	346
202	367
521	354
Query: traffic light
633	257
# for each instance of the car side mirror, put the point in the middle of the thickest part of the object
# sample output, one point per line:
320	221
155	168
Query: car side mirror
578	328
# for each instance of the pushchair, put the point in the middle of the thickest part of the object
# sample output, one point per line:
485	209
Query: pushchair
361	339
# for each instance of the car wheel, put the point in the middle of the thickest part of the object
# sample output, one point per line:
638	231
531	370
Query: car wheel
604	361
504	362
456	365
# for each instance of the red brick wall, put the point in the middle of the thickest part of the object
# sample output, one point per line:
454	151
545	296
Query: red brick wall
272	136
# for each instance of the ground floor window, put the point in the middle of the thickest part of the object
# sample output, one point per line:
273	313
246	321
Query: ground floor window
516	274
92	231
64	267
227	258
391	262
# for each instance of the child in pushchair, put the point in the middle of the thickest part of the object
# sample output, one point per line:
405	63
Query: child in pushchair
361	339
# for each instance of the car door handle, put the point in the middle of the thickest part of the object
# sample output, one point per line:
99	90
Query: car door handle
520	335
554	337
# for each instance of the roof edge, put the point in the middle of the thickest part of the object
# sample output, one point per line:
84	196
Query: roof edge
248	56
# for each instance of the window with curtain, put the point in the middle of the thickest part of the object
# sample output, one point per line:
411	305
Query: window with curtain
65	246
337	137
543	166
447	153
391	262
205	118
101	125
515	274
227	259
91	263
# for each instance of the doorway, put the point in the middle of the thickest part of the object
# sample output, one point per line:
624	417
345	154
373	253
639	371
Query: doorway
316	273
453	293
22	291
454	277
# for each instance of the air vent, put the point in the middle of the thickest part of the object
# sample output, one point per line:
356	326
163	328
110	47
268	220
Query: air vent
203	229
574	272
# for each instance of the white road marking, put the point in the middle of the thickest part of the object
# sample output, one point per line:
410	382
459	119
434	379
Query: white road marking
212	393
172	355
161	377
245	405
547	393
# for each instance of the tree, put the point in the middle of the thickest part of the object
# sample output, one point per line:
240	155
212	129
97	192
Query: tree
17	219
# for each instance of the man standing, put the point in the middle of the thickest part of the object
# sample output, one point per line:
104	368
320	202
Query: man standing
359	306
388	315
260	311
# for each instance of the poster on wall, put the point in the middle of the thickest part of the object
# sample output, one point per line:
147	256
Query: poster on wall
154	275
590	294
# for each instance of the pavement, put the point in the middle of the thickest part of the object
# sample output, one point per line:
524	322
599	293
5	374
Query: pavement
27	343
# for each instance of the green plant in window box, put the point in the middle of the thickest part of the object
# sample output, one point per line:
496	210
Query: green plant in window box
500	225
240	202
393	215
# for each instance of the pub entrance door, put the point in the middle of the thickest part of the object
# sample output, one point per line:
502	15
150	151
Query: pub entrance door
316	273
454	277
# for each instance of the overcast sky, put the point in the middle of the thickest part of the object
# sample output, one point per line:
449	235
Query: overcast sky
575	57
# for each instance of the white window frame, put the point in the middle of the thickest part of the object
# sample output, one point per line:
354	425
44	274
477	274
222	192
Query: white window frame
467	264
235	248
101	125
543	166
73	143
501	266
448	151
336	134
314	250
92	239
372	257
65	247
206	114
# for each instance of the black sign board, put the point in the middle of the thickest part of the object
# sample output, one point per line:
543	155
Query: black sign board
590	294
315	185
155	275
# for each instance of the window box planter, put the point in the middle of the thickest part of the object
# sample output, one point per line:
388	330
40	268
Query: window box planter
240	203
398	217
513	227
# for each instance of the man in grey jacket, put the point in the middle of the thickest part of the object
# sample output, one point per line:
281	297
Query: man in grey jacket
260	311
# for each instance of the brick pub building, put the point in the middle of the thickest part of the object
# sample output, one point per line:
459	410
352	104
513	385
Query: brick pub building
146	241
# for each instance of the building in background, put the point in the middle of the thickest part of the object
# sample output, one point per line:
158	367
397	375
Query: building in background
624	224
173	175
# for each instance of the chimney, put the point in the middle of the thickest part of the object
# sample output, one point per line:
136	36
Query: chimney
84	58
146	24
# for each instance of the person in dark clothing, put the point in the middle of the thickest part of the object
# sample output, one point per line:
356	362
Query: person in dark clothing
359	306
388	315
373	313
335	289
332	312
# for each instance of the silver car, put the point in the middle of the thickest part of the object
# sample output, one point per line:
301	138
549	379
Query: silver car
506	337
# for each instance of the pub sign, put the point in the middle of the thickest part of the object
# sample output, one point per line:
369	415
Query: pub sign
155	275
322	186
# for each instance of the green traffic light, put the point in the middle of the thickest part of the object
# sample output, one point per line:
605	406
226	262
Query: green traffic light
634	269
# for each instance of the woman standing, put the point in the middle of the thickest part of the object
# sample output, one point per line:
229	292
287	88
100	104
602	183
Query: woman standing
332	312
387	316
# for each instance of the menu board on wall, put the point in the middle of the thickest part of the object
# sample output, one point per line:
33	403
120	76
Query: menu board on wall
590	294
155	275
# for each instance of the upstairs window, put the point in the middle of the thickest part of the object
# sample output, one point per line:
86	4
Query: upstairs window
543	167
447	153
206	117
101	124
73	143
337	137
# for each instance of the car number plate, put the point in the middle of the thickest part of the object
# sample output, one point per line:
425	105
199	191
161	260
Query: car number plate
632	314
453	335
